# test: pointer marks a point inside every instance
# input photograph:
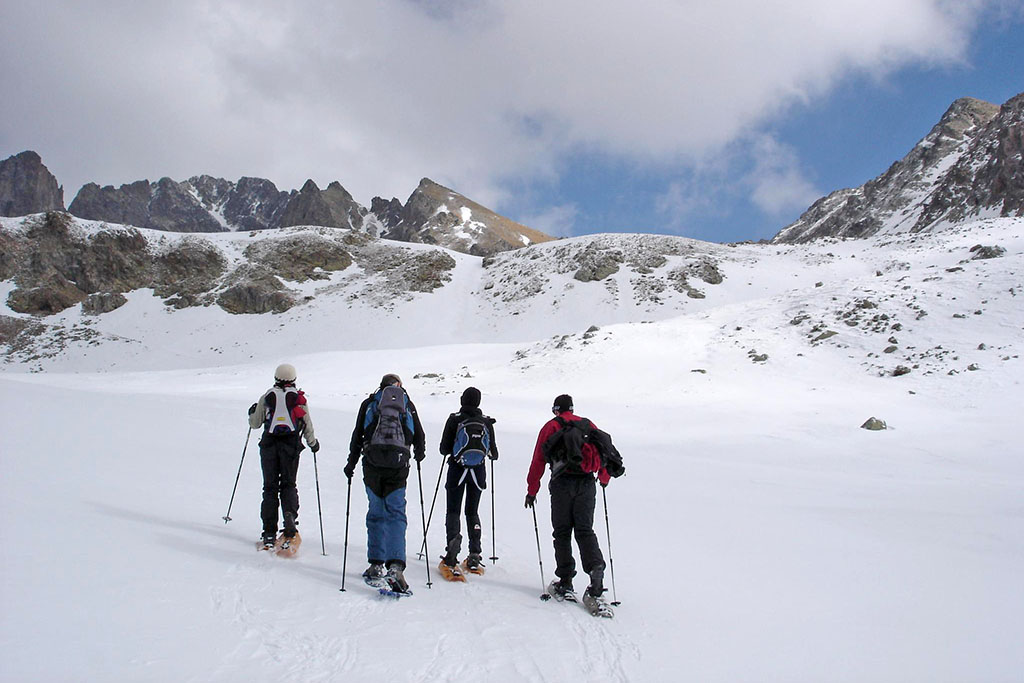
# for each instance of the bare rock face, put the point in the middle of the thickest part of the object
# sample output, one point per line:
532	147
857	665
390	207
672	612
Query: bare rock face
27	187
163	205
254	289
917	191
596	264
105	302
437	215
300	257
53	295
989	175
186	273
333	208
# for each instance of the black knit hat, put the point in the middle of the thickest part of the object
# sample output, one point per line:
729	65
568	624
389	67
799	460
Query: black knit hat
389	379
562	403
471	397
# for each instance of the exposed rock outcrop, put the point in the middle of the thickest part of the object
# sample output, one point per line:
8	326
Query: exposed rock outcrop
27	186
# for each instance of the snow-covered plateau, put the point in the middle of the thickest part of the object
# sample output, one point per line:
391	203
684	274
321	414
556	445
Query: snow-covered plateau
759	534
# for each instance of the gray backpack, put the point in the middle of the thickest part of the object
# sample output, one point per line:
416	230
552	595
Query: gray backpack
388	428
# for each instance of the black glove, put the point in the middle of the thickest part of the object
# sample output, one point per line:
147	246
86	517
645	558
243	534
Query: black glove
530	500
493	456
420	455
316	446
604	484
350	469
252	409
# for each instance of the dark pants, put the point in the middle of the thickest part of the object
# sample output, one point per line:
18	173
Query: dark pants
280	460
472	481
573	499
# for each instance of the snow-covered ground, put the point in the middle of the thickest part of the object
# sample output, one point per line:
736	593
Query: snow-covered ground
759	533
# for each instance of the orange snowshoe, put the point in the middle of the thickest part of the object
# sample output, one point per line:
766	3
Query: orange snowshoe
287	547
450	573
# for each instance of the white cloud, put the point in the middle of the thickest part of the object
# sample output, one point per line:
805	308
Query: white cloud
557	221
379	94
777	182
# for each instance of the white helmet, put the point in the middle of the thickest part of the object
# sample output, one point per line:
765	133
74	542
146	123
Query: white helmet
285	373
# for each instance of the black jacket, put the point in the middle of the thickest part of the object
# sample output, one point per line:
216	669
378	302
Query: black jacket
452	426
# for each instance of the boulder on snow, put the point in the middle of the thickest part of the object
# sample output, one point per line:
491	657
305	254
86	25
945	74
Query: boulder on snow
985	252
874	424
103	302
254	289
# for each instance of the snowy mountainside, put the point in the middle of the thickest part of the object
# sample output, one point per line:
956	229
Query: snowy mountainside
968	166
353	292
758	533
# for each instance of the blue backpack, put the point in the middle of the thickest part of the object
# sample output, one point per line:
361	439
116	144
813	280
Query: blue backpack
472	441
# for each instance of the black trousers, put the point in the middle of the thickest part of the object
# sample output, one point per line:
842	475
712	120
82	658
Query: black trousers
471	481
573	499
279	458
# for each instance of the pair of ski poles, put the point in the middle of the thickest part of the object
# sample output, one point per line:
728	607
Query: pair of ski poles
423	548
348	507
611	562
316	473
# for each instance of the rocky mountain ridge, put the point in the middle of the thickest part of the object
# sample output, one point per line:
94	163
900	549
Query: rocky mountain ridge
433	214
968	166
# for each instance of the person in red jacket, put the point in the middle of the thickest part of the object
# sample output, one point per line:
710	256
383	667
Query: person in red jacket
573	499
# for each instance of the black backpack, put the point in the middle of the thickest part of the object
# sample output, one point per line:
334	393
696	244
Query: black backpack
564	449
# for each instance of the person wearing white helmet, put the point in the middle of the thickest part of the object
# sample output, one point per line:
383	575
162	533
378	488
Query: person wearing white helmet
283	414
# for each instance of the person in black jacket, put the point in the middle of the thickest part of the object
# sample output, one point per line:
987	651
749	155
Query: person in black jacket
385	473
468	439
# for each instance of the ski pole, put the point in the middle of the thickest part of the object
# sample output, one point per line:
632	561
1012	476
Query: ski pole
319	511
227	517
608	532
437	488
344	554
423	519
494	555
536	532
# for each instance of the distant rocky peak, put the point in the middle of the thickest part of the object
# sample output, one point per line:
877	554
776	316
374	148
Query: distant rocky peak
435	214
946	177
27	186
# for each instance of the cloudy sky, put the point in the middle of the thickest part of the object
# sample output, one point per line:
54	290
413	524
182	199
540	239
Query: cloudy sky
717	120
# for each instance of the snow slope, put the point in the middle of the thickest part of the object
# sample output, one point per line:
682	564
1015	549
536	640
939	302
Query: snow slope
759	533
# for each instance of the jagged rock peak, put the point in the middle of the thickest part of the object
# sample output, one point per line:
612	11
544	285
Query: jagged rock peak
926	188
27	186
435	214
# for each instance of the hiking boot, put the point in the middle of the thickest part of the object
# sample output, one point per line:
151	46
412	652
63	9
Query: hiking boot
562	590
289	525
597	582
596	605
268	540
474	562
374	572
396	578
451	555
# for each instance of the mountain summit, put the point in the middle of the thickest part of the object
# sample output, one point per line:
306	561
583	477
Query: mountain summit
969	165
437	215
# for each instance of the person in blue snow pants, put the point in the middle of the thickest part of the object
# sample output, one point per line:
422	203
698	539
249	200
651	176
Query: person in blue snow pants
385	474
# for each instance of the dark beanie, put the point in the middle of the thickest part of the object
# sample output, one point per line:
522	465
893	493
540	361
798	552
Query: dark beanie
389	379
471	397
563	403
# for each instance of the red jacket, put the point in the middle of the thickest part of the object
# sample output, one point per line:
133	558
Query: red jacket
537	465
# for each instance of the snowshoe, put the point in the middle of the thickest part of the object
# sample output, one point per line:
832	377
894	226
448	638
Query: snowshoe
374	576
473	564
562	592
287	547
596	605
266	542
451	573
